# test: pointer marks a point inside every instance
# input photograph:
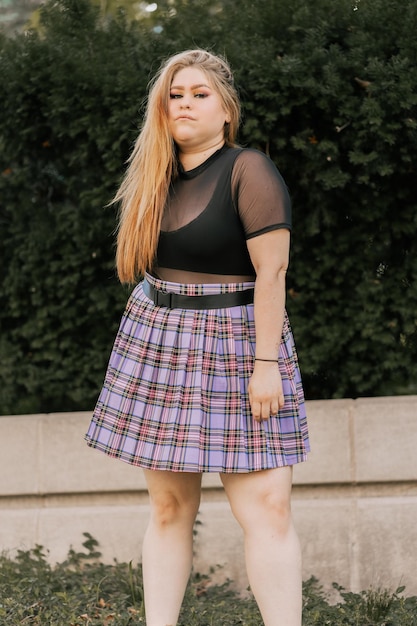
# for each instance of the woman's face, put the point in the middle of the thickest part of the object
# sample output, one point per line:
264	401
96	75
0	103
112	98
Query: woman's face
196	113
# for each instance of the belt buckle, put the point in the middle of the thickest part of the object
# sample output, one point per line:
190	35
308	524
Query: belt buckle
163	298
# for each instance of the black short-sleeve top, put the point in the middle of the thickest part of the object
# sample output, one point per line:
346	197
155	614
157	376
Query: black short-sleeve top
211	210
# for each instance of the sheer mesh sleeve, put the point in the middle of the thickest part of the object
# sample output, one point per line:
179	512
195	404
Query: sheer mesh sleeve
261	196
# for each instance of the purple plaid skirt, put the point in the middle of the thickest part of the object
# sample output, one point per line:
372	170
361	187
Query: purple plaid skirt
175	392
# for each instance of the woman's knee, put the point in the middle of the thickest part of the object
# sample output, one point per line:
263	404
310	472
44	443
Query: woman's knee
168	508
173	498
277	508
262	501
266	511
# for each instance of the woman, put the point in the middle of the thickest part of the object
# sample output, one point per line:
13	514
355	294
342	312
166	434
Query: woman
203	375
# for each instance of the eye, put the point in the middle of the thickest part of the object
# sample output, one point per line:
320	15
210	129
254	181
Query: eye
201	95
174	96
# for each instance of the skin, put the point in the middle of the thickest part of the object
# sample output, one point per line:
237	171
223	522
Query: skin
260	501
269	255
196	117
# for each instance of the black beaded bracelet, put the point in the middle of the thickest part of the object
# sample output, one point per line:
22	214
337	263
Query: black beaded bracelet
267	360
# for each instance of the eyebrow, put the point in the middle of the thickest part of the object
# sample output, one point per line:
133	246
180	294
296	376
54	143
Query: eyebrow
192	86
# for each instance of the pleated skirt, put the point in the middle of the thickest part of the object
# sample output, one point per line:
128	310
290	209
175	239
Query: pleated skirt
175	392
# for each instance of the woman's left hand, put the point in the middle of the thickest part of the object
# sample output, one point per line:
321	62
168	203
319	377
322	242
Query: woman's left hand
265	390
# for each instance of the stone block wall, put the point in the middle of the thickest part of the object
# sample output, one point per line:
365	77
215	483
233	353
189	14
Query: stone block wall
354	501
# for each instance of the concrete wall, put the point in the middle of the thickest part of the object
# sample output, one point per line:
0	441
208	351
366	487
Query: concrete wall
354	501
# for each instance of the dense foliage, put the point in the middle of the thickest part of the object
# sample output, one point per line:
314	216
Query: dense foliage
329	91
84	591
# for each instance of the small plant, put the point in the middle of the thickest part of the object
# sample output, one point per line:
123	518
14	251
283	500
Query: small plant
82	591
373	607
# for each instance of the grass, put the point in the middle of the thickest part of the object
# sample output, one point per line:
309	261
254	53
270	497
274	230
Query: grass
82	591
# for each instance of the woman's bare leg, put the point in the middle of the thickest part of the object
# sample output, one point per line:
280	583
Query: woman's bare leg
168	543
260	502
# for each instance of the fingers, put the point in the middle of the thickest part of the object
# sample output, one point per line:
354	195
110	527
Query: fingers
281	401
262	411
266	395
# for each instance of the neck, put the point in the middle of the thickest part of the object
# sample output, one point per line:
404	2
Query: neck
193	158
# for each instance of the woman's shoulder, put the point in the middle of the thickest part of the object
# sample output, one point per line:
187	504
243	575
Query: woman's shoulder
253	157
254	162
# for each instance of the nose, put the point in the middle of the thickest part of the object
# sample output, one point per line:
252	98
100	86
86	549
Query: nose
185	102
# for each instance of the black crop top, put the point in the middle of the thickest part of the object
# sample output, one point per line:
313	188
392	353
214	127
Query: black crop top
212	210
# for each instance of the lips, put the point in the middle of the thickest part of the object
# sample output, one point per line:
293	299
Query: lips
185	117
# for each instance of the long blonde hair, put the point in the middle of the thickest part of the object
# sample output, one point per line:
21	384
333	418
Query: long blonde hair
153	162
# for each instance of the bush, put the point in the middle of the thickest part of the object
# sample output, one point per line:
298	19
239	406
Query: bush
82	590
328	91
67	125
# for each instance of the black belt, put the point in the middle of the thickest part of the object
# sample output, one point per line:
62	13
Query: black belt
211	301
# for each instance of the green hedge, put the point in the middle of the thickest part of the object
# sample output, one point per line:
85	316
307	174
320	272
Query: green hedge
329	91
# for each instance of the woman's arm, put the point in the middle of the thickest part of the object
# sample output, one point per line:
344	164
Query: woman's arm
269	254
